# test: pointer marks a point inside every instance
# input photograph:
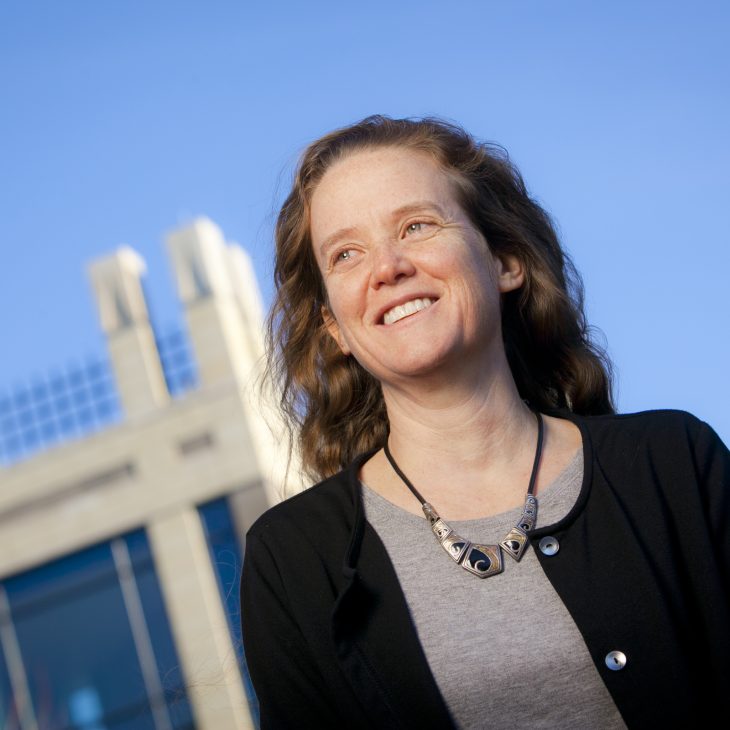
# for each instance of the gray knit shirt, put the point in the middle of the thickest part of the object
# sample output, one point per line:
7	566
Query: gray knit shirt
504	650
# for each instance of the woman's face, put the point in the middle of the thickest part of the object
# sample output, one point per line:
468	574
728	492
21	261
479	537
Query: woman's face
412	287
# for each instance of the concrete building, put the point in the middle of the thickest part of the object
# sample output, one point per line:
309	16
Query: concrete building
120	550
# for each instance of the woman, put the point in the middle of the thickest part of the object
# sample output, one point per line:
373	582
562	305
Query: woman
489	543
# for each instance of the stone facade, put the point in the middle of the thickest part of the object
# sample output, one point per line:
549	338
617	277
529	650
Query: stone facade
167	456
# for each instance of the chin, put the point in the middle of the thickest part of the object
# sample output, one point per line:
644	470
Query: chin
414	368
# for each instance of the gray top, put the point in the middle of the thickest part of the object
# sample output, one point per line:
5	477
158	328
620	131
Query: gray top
504	650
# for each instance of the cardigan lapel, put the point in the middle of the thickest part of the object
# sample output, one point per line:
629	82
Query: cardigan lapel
376	641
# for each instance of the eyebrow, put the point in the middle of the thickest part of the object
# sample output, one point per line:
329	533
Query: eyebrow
415	207
335	237
418	207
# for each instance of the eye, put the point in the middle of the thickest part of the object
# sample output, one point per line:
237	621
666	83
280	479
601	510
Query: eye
417	228
344	254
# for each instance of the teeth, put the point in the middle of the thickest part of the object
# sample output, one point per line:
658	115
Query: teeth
405	310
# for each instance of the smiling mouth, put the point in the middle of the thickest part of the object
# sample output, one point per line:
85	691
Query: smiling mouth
406	310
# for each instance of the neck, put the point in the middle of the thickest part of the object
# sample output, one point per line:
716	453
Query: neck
473	425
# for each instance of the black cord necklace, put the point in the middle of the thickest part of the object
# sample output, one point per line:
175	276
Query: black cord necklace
482	560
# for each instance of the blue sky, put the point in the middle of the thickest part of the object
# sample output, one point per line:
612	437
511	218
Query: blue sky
122	120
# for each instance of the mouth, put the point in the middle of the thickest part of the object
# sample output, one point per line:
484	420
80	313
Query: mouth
407	309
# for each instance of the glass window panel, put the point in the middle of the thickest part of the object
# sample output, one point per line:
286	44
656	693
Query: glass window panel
21	398
168	664
99	389
79	640
225	551
44	410
85	709
103	408
48	430
78	648
85	416
68	424
8	714
138	546
95	370
226	557
50	582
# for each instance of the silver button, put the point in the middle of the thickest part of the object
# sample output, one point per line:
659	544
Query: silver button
615	660
549	545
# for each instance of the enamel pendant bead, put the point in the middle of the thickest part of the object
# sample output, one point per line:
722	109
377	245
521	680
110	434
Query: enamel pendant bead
482	560
516	541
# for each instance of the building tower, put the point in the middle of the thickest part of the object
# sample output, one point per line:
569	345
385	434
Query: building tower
121	550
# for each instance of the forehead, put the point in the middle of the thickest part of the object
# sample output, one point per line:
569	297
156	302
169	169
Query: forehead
365	186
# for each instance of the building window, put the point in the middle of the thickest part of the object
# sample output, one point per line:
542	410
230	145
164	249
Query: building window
66	405
227	556
8	709
86	640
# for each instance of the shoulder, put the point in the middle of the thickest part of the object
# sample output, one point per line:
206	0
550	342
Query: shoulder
654	431
323	511
306	538
670	447
644	420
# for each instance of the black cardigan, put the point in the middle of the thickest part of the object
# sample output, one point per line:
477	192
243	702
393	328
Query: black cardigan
643	567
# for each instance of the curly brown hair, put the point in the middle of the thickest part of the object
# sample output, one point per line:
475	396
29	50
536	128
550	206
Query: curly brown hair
333	406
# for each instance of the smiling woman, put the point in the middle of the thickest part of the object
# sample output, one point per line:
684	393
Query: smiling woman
407	240
428	330
552	360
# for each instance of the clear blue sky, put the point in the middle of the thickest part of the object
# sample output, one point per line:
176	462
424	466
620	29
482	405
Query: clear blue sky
121	120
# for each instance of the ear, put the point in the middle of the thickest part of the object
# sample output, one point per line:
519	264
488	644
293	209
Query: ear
334	329
510	273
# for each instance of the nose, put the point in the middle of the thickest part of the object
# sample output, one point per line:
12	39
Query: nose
390	263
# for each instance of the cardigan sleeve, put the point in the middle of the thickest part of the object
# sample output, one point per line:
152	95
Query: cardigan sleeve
288	684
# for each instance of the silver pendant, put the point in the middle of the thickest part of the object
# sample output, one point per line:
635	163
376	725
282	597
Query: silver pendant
483	560
480	560
516	541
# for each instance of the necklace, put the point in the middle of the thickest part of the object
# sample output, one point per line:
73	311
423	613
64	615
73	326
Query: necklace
482	560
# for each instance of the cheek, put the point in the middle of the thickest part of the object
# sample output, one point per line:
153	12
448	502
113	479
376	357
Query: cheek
341	302
347	291
481	289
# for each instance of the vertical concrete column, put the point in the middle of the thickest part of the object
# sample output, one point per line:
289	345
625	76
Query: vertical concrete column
199	625
218	331
264	416
248	297
117	285
222	303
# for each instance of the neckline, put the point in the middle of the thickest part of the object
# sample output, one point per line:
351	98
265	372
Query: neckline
360	524
477	522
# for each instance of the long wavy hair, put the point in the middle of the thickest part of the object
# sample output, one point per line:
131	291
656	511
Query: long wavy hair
333	406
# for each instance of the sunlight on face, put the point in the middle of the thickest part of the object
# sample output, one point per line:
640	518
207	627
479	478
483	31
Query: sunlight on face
412	287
